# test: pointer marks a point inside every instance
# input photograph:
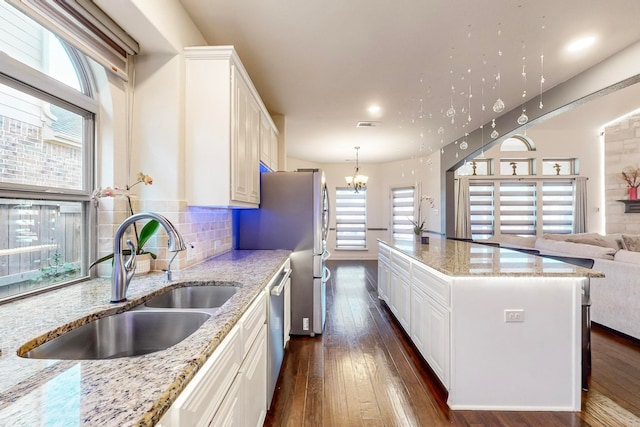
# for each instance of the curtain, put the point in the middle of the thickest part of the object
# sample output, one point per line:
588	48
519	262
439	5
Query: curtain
580	205
463	213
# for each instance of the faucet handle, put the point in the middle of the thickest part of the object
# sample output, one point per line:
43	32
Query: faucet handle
130	265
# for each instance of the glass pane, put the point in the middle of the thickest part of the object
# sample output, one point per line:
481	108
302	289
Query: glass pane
28	42
42	244
557	167
40	143
522	167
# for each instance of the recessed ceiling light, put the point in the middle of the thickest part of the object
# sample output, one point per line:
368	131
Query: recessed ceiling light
374	109
581	43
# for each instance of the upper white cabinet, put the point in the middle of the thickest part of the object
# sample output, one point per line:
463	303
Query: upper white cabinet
224	122
268	143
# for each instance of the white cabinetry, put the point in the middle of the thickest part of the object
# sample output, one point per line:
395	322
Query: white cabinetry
384	273
400	289
268	143
430	322
223	115
230	389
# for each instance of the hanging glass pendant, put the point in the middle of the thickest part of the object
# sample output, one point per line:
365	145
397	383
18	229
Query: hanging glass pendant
494	134
451	112
440	130
464	145
523	118
498	106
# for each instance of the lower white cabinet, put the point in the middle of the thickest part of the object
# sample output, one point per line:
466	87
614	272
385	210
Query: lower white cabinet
231	388
384	276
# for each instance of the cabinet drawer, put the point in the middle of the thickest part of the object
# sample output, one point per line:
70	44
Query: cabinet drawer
400	263
251	322
436	287
202	397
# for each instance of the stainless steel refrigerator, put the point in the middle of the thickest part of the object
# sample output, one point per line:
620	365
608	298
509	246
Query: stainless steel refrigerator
294	215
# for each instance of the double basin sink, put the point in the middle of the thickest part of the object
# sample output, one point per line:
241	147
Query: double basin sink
159	323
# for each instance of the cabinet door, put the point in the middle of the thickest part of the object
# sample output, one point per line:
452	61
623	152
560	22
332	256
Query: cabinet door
404	304
240	144
273	137
254	382
265	142
230	412
436	339
418	321
253	150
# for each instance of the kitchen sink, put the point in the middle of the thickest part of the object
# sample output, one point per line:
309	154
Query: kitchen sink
131	333
199	295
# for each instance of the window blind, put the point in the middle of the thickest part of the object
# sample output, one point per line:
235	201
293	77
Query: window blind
481	209
518	208
351	215
402	200
557	207
86	27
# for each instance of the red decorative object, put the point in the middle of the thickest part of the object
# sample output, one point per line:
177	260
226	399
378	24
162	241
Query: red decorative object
633	193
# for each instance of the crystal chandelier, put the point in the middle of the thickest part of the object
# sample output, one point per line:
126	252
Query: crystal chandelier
357	181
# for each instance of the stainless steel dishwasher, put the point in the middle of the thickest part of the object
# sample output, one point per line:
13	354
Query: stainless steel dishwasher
279	297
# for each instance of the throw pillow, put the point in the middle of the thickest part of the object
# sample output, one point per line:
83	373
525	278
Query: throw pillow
631	242
595	241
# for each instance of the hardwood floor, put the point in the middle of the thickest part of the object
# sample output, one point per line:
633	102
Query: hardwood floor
363	371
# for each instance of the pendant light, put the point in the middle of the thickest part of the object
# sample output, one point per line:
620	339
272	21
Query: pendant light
357	181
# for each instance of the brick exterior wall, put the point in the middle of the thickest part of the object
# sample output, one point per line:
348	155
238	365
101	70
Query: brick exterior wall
27	159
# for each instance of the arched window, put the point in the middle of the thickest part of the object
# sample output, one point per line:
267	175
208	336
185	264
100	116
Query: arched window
47	118
518	143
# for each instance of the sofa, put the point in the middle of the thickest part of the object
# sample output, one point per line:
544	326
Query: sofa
615	298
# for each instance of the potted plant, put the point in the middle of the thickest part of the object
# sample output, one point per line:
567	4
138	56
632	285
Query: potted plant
419	222
143	257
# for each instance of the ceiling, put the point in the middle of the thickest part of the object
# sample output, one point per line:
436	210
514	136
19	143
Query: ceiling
321	64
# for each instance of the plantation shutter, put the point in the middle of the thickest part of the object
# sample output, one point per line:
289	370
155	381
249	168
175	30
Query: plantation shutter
481	209
557	207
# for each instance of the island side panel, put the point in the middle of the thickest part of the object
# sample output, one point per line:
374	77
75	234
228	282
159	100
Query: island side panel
529	365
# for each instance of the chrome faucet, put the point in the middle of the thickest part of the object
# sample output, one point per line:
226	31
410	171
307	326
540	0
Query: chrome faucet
123	271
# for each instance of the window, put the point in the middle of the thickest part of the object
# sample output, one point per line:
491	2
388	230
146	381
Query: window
517	167
557	207
46	146
522	208
351	218
481	167
481	209
559	166
518	208
402	213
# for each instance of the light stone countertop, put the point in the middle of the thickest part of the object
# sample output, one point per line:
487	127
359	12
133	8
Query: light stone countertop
131	391
459	258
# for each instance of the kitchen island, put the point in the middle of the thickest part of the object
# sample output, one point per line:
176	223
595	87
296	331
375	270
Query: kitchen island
501	329
129	391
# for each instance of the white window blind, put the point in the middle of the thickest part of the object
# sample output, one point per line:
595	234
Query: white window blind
518	208
402	213
557	207
481	209
86	27
351	218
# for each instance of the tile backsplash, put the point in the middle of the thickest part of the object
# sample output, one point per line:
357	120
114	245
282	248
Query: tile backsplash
208	231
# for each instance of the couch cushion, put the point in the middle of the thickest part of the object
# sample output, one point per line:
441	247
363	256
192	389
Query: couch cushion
629	257
602	241
564	237
631	242
574	249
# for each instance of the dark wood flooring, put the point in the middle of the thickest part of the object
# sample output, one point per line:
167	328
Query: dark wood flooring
363	371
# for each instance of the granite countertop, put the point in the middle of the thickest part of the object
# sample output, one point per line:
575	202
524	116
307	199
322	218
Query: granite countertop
459	258
131	391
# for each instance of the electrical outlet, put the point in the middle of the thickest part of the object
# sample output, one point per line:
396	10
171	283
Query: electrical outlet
305	323
514	315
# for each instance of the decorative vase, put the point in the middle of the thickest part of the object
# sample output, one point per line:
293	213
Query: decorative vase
416	238
633	193
143	264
